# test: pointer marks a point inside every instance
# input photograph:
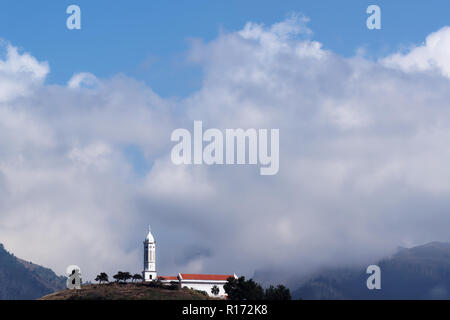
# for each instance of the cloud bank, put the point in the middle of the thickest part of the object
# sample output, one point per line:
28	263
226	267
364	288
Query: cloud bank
363	159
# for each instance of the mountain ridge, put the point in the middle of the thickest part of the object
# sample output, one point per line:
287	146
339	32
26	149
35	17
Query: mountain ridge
24	280
421	272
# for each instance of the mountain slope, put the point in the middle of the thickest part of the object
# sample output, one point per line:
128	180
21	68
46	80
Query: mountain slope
20	279
421	272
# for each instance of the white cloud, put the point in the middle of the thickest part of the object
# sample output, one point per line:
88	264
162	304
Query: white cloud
19	73
362	159
430	56
23	64
169	181
83	79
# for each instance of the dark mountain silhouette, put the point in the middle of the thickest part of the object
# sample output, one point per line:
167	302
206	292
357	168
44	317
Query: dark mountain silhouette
421	272
22	280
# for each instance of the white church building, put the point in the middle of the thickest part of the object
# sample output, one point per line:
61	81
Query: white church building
202	282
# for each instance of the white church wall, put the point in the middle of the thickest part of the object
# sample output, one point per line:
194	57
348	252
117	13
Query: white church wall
205	286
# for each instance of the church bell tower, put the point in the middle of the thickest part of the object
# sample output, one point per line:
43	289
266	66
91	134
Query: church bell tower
149	272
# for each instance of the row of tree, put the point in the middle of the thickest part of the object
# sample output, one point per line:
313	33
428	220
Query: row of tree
119	277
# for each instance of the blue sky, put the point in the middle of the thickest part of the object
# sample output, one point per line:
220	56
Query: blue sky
148	40
363	143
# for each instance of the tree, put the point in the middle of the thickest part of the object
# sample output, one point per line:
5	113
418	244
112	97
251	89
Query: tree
215	290
278	293
157	283
126	276
122	276
137	277
102	277
241	289
118	276
174	285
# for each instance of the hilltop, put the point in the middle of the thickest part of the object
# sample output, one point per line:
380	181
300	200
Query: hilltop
126	291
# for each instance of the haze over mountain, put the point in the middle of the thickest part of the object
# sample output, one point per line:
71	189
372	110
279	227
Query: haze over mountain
20	279
421	272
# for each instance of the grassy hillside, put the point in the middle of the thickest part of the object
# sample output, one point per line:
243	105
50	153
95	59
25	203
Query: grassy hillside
129	291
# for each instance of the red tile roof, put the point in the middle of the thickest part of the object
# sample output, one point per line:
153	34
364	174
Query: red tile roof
212	277
168	278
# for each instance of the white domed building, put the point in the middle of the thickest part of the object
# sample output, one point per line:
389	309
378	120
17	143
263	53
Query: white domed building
202	282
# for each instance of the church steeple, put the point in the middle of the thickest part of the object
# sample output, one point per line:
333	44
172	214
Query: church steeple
149	237
149	272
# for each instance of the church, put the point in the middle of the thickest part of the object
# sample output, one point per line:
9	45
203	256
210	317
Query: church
202	282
